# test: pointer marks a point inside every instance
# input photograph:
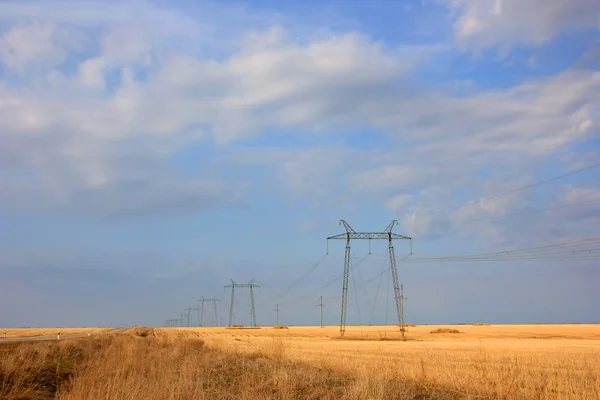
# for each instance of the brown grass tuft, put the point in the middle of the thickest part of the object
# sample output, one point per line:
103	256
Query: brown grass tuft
39	370
481	324
280	327
445	330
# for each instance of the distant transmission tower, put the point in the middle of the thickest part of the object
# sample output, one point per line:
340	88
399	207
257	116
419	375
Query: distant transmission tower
385	235
277	314
197	309
188	312
207	300
250	285
321	305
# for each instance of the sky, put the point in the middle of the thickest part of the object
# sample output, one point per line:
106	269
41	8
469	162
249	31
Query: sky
150	151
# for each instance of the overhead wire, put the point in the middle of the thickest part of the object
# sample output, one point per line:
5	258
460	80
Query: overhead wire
567	250
535	210
383	268
363	285
297	281
326	285
356	297
371	279
519	189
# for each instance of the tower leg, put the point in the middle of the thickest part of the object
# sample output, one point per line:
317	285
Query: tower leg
397	294
402	308
321	314
231	307
202	313
252	303
345	287
216	319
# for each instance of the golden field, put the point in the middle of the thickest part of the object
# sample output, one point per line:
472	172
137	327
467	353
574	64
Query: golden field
480	362
32	332
499	361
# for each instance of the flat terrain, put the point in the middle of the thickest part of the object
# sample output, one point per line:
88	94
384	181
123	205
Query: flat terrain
32	332
479	362
518	361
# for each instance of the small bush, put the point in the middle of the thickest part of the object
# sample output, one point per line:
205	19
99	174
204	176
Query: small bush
444	330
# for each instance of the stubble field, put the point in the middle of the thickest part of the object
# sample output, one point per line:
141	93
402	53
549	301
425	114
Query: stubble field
479	362
499	361
33	332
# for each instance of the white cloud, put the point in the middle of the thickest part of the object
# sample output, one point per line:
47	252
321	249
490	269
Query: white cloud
387	177
397	202
419	224
576	195
485	23
76	132
36	43
91	73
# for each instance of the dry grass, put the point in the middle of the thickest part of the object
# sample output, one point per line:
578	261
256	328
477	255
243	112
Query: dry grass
481	324
147	365
31	332
498	361
484	362
38	370
445	330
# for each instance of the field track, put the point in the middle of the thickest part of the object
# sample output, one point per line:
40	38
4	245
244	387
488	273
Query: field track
41	334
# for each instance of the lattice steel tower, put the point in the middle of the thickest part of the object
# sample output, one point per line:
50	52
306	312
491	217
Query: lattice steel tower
388	235
250	285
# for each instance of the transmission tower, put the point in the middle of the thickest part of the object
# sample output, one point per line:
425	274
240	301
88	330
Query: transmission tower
402	298
321	305
197	309
277	314
181	318
188	312
385	235
208	300
250	285
201	316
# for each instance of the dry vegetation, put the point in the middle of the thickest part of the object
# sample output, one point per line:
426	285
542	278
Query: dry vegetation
498	361
484	362
30	332
445	330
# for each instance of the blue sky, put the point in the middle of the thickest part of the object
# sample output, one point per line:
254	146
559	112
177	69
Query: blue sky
151	151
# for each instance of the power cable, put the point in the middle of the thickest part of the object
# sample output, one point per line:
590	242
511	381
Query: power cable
536	184
534	210
328	284
544	251
377	292
297	281
364	286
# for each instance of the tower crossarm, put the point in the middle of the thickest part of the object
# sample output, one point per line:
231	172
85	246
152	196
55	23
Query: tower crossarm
368	236
346	226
